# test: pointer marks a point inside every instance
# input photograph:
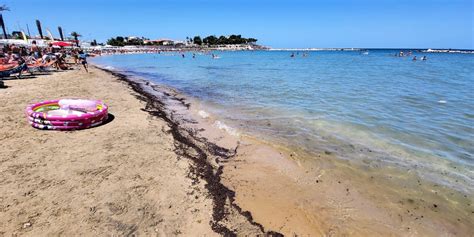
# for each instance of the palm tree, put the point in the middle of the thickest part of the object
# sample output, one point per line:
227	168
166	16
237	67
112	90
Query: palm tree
76	35
4	8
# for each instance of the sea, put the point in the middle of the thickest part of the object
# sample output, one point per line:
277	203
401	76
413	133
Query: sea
359	105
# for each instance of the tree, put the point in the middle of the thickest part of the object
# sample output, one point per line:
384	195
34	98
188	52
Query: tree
197	40
210	40
232	39
222	40
4	8
251	40
117	41
76	36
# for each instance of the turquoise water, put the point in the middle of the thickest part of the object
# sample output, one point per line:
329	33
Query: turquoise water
410	113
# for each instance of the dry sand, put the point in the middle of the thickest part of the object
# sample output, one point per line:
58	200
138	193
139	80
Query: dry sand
126	177
161	168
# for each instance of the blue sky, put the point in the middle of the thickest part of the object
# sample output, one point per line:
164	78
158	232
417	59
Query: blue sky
276	23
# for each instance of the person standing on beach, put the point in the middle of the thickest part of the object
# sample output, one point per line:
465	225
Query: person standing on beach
82	58
35	50
75	56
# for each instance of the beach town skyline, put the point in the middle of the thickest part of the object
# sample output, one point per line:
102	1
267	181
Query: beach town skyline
327	24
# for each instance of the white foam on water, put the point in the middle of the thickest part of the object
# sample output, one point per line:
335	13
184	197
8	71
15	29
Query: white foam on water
203	114
226	128
442	101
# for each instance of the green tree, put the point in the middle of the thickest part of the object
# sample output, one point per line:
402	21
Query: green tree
222	40
210	40
251	40
4	8
197	40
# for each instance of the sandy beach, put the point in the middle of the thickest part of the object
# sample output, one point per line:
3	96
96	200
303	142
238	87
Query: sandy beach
158	167
125	177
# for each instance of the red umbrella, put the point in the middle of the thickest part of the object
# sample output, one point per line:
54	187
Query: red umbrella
61	44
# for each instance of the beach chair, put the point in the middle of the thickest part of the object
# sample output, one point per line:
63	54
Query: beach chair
18	69
40	67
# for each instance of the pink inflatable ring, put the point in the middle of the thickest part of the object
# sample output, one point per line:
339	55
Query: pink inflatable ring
40	121
65	127
67	114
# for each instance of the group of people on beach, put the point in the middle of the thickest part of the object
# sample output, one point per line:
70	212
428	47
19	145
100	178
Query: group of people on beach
21	58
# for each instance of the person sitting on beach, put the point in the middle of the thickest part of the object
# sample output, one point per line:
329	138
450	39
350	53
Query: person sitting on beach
61	63
15	49
50	49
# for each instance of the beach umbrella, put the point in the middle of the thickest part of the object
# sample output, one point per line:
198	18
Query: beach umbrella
40	31
3	27
61	32
49	33
61	44
24	36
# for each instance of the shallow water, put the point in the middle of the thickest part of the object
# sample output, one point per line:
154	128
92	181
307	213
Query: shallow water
380	107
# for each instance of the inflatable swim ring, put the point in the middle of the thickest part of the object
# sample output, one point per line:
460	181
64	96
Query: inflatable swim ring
67	114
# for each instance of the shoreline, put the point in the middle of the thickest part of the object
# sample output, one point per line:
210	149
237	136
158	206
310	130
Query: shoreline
203	168
238	184
299	163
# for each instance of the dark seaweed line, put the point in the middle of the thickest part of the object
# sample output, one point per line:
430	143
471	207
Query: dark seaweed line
186	140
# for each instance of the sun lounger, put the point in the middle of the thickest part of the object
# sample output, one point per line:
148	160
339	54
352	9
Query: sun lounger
8	72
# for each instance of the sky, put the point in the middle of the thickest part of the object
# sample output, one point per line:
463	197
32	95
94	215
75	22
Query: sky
275	23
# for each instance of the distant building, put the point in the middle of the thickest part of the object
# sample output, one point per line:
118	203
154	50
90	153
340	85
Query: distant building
164	42
130	38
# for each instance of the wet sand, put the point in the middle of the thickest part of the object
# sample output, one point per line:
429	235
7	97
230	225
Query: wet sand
162	168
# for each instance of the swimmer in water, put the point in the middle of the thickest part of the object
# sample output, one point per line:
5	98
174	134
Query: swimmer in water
414	58
424	58
182	55
292	55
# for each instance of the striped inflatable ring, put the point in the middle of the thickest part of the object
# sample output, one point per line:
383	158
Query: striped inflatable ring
35	111
63	128
67	123
49	115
